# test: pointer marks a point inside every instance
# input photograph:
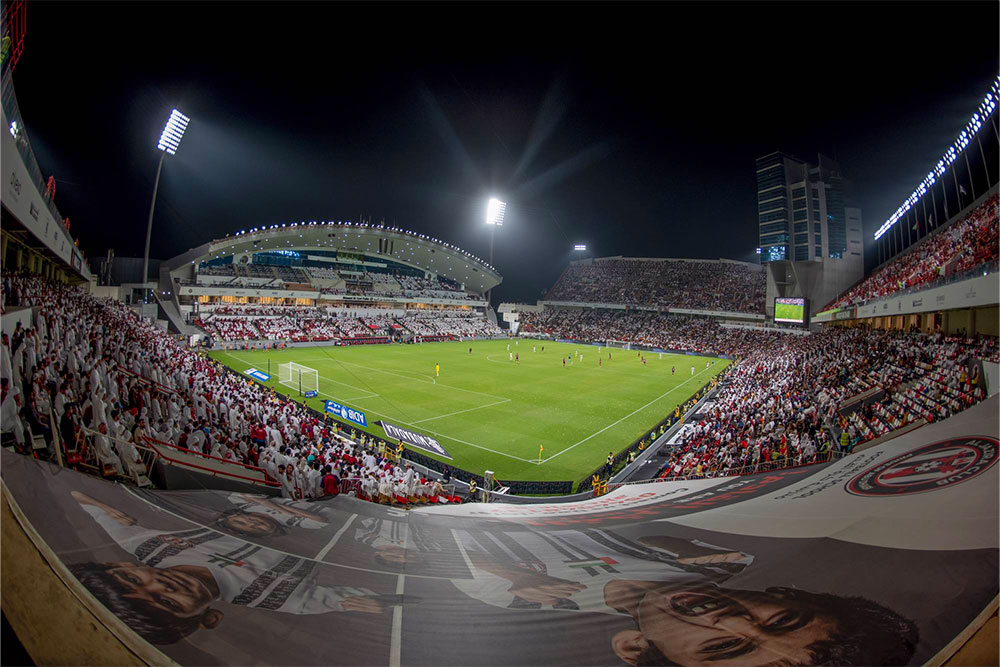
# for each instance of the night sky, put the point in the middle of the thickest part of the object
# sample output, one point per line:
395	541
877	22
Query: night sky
632	128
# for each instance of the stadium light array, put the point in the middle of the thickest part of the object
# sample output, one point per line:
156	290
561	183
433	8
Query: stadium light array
580	246
173	132
495	210
170	141
986	107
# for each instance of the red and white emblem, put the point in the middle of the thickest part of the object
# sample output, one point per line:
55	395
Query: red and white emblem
928	468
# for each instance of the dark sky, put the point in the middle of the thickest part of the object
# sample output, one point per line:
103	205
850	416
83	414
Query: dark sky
630	127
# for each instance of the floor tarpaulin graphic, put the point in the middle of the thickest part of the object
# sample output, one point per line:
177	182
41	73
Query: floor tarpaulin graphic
881	558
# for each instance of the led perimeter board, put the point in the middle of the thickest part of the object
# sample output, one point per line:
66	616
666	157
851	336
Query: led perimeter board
792	310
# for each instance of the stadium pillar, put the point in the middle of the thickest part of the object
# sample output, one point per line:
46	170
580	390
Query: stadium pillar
933	204
958	193
944	195
986	167
923	205
968	169
149	225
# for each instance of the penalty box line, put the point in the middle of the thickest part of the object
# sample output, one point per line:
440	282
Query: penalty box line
368	393
408	423
666	393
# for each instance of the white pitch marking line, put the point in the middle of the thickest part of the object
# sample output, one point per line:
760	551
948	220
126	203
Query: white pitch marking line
431	381
694	377
329	545
369	394
452	414
440	435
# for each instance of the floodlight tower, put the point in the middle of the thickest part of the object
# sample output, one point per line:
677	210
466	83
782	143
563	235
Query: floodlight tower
170	140
495	210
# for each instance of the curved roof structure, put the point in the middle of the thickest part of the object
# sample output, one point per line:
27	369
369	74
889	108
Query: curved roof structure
373	241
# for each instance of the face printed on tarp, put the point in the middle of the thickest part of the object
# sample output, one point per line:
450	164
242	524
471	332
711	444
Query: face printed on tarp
718	626
211	576
168	594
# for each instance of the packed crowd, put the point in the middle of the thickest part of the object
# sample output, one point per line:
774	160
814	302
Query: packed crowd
660	330
231	323
664	283
112	384
956	249
781	404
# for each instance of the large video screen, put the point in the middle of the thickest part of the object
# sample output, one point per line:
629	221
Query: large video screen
788	309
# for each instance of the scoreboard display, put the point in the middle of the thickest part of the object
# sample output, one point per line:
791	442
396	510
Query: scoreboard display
789	309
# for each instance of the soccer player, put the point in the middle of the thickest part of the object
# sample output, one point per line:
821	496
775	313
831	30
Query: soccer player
673	369
437	370
692	370
517	358
609	356
510	355
564	362
470	350
532	348
508	347
600	361
543	348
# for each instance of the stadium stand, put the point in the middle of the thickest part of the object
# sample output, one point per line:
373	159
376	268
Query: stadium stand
114	384
781	404
960	248
661	330
705	285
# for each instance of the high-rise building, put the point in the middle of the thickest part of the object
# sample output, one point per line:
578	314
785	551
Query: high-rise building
803	216
802	209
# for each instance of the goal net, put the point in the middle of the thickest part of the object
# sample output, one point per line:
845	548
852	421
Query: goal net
298	377
621	345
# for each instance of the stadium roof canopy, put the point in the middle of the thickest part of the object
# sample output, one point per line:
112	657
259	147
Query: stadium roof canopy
375	242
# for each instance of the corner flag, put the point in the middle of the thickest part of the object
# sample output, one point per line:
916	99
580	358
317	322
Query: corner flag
540	448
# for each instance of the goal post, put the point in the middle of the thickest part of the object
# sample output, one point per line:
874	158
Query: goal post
298	377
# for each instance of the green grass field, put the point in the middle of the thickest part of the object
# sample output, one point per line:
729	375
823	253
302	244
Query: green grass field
491	413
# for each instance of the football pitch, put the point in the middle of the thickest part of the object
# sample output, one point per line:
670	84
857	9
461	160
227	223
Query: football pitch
491	413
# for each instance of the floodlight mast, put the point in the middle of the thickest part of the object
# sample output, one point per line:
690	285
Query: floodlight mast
170	140
495	210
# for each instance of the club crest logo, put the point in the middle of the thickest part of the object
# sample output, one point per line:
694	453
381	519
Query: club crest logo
928	468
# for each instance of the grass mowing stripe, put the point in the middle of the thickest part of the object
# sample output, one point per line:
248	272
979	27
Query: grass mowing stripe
669	391
493	413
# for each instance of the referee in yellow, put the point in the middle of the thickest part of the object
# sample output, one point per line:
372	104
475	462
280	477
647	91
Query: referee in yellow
437	370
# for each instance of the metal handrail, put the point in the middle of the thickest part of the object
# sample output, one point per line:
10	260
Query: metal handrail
159	387
768	466
266	481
